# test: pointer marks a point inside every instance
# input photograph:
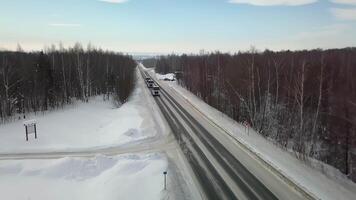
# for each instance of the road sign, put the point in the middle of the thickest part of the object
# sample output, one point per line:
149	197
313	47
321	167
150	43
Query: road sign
30	128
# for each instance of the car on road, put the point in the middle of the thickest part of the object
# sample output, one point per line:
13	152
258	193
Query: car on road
155	91
150	83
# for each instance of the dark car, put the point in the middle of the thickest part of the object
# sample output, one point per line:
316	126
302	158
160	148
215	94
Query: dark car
150	83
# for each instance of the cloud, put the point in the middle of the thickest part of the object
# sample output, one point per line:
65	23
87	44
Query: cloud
330	36
113	1
274	2
344	13
325	31
64	25
347	2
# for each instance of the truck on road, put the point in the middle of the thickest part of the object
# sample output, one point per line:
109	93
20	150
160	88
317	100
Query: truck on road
155	91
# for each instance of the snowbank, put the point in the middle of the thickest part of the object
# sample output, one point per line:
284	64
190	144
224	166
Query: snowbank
131	176
168	77
314	181
91	125
137	126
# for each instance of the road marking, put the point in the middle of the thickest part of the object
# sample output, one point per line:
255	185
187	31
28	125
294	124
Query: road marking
292	183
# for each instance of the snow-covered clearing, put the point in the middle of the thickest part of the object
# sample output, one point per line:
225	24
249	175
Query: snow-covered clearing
169	76
95	151
95	124
331	184
131	176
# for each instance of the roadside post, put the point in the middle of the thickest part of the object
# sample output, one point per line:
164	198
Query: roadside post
30	127
165	180
247	127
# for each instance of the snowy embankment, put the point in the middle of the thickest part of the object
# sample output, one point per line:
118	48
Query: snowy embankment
170	77
96	124
122	154
331	184
128	176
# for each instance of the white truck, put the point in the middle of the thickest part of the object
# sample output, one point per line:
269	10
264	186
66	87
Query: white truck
155	91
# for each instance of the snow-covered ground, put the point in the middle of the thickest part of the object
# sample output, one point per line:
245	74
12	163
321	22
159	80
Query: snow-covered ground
96	124
169	76
131	176
95	151
328	185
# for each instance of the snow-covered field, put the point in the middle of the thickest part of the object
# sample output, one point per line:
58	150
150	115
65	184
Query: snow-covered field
331	184
95	151
131	176
169	76
96	124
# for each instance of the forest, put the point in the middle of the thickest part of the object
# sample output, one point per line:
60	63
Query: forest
40	81
303	101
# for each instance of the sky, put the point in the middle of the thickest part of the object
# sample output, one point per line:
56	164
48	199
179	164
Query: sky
179	26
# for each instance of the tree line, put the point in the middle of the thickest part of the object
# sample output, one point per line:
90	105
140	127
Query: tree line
304	101
39	81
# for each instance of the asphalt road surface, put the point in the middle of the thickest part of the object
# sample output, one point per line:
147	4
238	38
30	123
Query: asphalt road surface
223	168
